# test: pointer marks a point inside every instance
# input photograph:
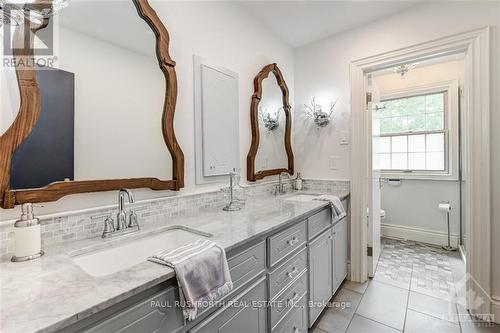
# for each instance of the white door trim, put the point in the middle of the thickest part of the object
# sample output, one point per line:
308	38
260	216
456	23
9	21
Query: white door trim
475	44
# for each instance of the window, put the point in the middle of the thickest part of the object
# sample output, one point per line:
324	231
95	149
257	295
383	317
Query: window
412	134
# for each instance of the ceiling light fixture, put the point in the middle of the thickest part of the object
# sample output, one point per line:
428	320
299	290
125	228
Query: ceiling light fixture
17	13
403	69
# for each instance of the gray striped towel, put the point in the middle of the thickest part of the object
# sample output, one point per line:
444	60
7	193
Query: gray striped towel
202	274
338	210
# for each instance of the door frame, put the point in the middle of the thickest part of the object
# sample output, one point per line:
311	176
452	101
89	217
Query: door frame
475	45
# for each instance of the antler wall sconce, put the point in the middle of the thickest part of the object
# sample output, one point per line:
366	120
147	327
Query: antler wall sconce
315	112
271	122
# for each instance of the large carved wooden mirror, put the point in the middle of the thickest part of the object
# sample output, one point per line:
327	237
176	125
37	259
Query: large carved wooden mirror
101	116
270	115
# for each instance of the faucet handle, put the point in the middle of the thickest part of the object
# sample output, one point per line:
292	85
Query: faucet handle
133	220
277	188
109	226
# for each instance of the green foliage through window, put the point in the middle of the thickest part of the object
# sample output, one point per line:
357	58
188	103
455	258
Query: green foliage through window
412	114
412	133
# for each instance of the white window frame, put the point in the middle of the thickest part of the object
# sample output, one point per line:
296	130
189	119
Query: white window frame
451	125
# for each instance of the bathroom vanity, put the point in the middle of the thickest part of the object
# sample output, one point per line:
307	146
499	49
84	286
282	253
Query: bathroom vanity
286	255
295	270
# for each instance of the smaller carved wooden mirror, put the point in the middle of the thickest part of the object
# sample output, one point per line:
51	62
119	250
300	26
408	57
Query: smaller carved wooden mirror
270	115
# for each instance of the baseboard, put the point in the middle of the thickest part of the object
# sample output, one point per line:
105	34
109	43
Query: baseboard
480	304
462	253
495	310
418	234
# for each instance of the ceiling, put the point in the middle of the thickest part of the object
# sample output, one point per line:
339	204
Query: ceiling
302	22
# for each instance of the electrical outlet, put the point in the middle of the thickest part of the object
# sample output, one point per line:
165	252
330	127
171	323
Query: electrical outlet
344	138
334	161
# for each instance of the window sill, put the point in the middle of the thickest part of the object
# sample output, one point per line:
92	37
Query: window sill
419	176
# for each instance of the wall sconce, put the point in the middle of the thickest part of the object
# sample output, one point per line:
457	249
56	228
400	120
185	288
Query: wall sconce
271	122
316	113
16	13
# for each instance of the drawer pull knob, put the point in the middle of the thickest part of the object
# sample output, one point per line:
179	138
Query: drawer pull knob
293	273
293	241
291	302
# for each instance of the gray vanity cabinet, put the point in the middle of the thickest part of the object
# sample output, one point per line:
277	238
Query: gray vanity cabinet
281	285
320	273
246	313
327	260
339	248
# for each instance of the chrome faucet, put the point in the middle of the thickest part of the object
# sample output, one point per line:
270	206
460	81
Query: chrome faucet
125	223
280	187
121	217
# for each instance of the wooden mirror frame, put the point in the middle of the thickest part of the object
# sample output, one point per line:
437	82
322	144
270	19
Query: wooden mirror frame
30	108
253	176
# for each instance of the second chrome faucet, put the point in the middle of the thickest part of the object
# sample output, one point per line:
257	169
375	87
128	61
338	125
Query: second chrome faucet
280	187
126	222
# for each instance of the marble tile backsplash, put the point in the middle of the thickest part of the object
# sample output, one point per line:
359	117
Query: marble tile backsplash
73	226
326	186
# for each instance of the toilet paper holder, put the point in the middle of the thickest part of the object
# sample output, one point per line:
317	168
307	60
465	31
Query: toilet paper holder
445	206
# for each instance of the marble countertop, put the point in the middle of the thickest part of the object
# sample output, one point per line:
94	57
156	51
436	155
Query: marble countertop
53	292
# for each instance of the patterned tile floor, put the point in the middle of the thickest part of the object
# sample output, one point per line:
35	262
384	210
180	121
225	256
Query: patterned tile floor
422	268
416	288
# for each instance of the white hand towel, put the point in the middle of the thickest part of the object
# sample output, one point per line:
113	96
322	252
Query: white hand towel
338	210
202	274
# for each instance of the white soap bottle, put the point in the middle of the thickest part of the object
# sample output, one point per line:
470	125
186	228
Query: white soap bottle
27	236
298	182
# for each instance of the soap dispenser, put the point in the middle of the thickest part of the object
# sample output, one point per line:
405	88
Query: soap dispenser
27	236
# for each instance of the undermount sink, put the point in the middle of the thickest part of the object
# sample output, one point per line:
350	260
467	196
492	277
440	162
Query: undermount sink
301	197
121	254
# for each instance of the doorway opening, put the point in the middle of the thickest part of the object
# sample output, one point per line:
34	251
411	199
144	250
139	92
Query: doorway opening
435	151
416	151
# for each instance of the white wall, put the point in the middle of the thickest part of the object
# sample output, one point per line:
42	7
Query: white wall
414	204
9	92
223	34
323	68
9	98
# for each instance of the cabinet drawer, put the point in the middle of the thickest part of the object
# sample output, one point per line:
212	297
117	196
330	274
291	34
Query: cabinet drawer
286	242
284	274
287	300
295	321
248	264
319	222
235	317
158	313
